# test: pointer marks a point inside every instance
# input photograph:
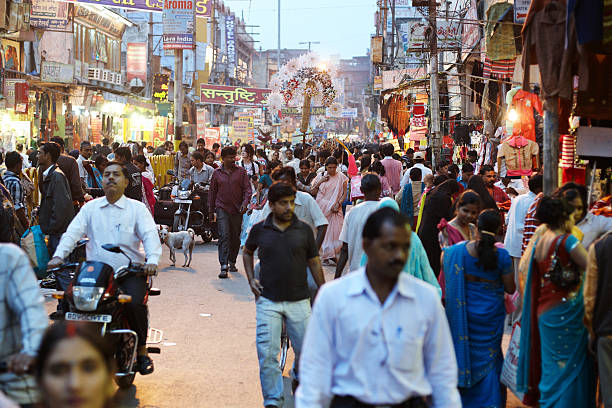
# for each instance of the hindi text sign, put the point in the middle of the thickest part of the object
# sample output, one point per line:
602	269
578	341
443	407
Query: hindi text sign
232	95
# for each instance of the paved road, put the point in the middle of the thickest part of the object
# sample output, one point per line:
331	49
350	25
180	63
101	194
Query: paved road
208	354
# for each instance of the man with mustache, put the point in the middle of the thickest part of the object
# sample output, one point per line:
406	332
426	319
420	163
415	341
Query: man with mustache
286	246
379	337
119	220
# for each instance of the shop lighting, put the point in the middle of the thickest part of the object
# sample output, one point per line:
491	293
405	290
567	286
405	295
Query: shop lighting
512	115
323	66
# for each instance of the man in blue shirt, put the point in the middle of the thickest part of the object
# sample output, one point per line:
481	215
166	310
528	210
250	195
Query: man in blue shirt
467	171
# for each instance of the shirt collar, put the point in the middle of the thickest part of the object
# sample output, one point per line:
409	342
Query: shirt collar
269	223
298	198
121	203
46	172
388	157
360	284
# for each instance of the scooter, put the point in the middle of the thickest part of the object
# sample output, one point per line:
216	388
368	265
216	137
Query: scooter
188	203
94	295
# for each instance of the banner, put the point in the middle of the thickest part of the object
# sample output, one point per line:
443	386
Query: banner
201	123
160	87
471	31
230	36
413	34
232	95
48	14
56	72
203	8
314	110
213	135
136	57
179	24
240	131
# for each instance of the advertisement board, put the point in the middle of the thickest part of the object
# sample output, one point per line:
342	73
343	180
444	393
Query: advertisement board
201	123
56	72
202	8
230	39
178	24
521	7
240	131
136	61
349	113
232	95
413	34
212	136
160	87
47	14
377	49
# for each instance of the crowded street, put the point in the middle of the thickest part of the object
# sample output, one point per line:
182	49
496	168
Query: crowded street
345	204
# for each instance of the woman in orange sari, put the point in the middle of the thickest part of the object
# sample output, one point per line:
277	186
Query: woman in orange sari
330	191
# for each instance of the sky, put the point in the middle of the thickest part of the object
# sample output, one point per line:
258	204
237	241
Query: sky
343	27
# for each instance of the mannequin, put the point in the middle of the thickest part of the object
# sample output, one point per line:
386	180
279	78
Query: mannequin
520	156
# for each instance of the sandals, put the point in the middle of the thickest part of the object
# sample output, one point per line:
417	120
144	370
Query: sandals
144	365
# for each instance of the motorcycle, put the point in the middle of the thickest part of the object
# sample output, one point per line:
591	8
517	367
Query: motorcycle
187	203
94	295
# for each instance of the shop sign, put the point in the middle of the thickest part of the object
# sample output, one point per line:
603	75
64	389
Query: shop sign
471	31
48	14
10	52
230	36
213	135
136	61
314	110
160	87
179	24
232	95
376	45
413	34
56	72
521	7
349	113
22	91
159	130
9	91
114	28
378	83
240	130
201	123
203	8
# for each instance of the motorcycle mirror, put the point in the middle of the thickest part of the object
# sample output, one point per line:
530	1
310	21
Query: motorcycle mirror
171	173
112	248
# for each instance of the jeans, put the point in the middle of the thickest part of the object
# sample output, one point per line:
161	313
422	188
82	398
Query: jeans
269	323
604	359
228	226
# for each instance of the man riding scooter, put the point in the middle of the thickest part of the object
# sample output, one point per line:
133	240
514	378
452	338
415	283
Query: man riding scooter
118	220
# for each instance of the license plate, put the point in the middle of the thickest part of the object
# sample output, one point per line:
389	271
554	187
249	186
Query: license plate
178	200
98	318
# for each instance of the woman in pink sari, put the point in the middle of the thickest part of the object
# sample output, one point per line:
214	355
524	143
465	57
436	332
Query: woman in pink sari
461	228
330	191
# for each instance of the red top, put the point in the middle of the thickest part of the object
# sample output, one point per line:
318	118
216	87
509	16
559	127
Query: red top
525	102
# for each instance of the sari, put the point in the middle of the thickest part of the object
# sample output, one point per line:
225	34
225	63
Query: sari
476	314
449	236
148	198
418	263
553	339
330	193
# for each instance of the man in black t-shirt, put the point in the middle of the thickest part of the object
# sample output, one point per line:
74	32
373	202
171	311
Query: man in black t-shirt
286	247
123	155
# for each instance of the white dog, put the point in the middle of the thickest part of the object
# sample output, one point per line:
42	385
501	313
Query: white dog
184	240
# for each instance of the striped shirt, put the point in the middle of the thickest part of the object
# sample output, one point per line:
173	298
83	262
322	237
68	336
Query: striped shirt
22	320
531	223
13	184
502	69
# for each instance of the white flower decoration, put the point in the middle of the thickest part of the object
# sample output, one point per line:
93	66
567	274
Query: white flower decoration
275	101
335	109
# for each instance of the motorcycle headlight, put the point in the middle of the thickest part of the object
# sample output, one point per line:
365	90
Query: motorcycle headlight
86	298
184	194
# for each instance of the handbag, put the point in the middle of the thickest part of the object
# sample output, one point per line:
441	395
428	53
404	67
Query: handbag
34	245
564	275
509	371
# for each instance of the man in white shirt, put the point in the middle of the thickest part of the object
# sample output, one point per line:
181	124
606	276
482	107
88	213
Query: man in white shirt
84	155
116	219
378	336
352	245
292	161
419	159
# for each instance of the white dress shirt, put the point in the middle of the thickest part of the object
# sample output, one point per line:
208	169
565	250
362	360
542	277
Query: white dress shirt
424	171
594	226
126	223
82	172
378	354
513	241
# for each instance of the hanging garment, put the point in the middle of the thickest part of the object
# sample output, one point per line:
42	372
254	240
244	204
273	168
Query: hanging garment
501	69
524	103
499	35
518	153
595	86
461	135
568	151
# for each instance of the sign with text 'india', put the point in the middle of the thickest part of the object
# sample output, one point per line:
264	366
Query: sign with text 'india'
179	22
232	95
203	8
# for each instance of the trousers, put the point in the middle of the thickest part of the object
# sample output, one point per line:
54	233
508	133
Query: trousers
604	360
228	226
137	312
270	317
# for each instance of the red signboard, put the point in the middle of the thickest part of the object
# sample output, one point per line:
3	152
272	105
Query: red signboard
137	64
232	95
213	135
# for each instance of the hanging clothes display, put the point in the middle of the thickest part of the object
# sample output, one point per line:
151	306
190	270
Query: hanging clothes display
525	103
520	156
569	170
595	86
501	69
499	35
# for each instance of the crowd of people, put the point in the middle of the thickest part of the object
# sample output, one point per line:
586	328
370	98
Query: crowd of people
432	267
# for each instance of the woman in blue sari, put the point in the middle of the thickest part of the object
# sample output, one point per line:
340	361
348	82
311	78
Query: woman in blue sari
477	274
554	367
